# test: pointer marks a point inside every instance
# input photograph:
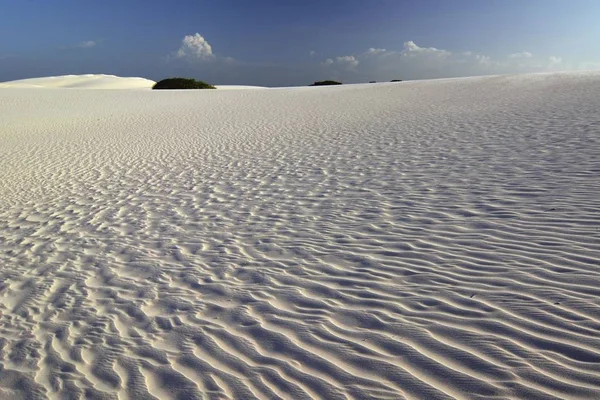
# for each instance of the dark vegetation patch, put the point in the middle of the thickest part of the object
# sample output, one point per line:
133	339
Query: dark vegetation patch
182	83
326	83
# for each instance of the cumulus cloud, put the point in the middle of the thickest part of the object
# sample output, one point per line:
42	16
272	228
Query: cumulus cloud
411	49
415	62
373	51
195	47
312	53
521	55
347	62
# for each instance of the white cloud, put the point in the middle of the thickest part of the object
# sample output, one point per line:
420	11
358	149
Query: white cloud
484	60
195	47
554	63
555	60
373	51
416	62
312	53
411	49
347	62
521	55
86	44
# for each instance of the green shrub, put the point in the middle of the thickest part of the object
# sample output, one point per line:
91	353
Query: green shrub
396	80
182	83
326	83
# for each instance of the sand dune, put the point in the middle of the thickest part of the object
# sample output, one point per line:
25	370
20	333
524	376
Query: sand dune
96	81
423	240
238	87
89	81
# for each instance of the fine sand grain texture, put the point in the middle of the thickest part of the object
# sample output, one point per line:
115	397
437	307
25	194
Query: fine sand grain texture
422	240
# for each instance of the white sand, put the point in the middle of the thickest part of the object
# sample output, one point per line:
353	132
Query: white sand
422	240
89	81
97	81
238	87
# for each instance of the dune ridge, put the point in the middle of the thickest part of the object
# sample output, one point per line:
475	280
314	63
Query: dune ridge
423	240
87	81
96	81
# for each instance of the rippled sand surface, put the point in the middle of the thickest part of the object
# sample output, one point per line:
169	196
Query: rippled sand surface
414	240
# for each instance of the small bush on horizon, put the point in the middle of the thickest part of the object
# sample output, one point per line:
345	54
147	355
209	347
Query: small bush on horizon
372	81
182	83
326	83
396	80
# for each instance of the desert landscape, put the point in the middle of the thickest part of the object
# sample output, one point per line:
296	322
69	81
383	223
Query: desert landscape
434	239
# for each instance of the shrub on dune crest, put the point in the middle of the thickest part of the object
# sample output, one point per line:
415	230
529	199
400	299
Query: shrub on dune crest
396	80
182	83
326	83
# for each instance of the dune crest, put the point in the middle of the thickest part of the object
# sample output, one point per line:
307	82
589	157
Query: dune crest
87	81
97	81
423	240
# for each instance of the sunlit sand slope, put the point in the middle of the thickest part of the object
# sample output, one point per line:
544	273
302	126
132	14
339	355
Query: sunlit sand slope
415	240
89	81
96	81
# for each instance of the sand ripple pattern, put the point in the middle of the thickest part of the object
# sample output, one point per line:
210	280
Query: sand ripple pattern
421	240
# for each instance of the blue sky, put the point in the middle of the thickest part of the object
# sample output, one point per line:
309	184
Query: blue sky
292	42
